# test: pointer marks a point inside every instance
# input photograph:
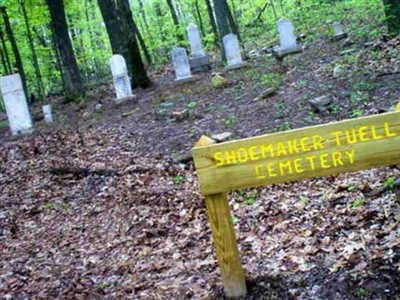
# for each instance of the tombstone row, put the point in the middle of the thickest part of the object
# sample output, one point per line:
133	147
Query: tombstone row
15	99
198	60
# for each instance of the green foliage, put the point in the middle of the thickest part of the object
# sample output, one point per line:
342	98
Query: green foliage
356	113
178	179
49	206
231	122
233	219
304	200
360	292
250	199
363	18
358	202
389	183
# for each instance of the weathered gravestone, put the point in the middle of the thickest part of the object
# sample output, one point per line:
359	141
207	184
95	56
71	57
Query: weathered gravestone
287	39
199	61
48	116
323	150
339	33
16	105
181	65
122	84
232	51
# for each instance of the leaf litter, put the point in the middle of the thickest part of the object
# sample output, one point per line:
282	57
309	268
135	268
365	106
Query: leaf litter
97	213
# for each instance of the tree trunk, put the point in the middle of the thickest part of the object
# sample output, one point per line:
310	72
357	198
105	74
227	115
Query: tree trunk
159	16
213	23
7	64
73	81
392	11
117	35
3	62
57	59
38	74
14	46
143	14
142	43
222	15
199	17
139	75
176	21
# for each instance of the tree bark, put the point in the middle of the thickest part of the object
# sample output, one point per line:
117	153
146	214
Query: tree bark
38	74
73	81
117	35
199	17
222	15
143	14
213	23
139	75
392	11
14	46
7	64
175	19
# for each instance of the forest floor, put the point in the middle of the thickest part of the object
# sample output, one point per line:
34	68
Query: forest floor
105	204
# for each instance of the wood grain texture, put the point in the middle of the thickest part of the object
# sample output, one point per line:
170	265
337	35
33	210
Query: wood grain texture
224	239
226	245
378	144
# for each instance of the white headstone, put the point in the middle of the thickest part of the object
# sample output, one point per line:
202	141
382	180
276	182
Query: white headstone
181	64
48	117
338	28
232	50
16	105
196	45
119	71
338	31
286	34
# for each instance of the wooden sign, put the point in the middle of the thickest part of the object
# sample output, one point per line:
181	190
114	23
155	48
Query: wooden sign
317	151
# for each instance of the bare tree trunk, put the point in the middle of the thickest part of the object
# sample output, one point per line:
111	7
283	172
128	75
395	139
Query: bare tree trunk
6	63
176	21
38	74
14	46
199	17
392	11
73	81
213	23
143	14
139	77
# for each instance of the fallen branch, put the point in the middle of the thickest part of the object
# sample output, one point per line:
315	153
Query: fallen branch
80	172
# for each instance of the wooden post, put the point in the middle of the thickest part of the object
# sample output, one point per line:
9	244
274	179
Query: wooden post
225	240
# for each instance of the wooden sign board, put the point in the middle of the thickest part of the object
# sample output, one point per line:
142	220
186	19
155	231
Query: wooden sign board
317	151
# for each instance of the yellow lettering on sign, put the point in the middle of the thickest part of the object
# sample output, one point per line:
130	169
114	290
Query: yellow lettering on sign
302	145
285	166
387	130
337	159
218	158
311	161
337	135
258	173
350	156
242	155
267	150
317	142
293	147
375	136
297	165
362	131
253	153
304	164
281	150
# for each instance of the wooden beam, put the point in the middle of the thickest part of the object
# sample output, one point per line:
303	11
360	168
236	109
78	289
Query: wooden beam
225	240
323	150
